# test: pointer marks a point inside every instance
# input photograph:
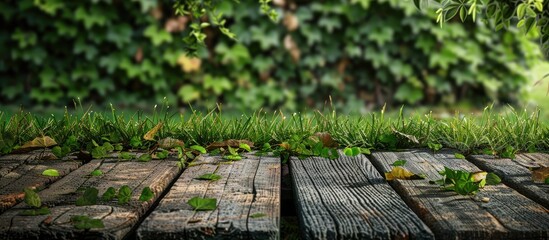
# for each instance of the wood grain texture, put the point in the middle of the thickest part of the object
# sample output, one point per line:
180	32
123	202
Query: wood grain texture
515	173
507	215
347	198
20	171
61	196
247	187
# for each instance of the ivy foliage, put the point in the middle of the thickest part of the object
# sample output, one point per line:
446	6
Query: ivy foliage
198	10
359	52
527	14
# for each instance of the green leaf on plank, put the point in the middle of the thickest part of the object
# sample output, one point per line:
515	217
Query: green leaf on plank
126	155
85	222
162	155
51	172
492	179
399	163
352	152
89	197
245	147
146	195
109	195
144	158
35	212
203	204
232	151
31	198
232	157
96	172
124	194
198	148
209	176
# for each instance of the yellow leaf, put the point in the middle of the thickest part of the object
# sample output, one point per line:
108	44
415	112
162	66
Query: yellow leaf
479	176
150	134
285	145
399	173
40	142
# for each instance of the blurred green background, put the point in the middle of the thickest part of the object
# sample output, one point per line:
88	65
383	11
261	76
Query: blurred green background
353	55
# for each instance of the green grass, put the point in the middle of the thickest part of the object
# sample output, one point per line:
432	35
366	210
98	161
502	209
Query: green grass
519	131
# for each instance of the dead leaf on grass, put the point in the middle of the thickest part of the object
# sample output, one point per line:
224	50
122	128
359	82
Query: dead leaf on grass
326	139
411	138
169	143
285	145
150	134
39	142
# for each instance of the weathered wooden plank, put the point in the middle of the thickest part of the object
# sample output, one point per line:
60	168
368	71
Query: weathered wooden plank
515	173
507	215
347	198
248	186
266	201
20	171
61	196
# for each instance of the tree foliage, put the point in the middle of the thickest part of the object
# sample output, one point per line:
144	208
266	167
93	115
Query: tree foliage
526	14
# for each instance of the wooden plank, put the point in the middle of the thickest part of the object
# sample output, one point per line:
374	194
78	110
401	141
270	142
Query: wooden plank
507	215
515	173
347	198
266	201
20	171
61	196
247	187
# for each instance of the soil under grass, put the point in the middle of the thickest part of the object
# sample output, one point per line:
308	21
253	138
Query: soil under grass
495	132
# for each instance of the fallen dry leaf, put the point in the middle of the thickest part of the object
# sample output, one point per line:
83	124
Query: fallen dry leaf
150	134
169	143
398	173
48	221
326	139
411	138
39	142
285	145
401	173
234	143
540	174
